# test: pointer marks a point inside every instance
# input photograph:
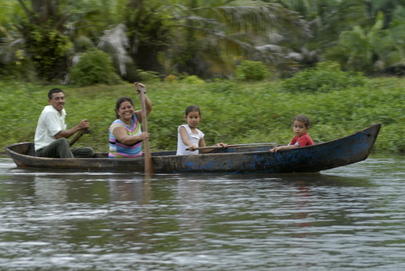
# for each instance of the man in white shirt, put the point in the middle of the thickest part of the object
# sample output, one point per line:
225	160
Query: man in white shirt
51	133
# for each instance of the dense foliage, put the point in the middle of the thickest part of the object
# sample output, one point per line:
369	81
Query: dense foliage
206	38
326	76
94	67
249	70
232	112
372	50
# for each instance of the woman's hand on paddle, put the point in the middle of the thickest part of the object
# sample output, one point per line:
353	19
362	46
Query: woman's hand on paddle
144	135
140	87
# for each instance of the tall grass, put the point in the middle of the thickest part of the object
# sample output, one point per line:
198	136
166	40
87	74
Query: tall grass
232	112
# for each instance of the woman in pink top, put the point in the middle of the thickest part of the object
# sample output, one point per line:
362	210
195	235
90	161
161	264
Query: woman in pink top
301	139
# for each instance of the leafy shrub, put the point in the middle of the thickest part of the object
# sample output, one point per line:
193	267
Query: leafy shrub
326	76
49	50
223	87
147	76
193	80
170	78
83	43
94	67
249	70
16	65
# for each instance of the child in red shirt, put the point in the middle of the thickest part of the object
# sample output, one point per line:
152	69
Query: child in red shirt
300	127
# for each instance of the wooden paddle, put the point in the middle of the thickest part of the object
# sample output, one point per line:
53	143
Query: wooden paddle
211	147
234	146
146	150
78	135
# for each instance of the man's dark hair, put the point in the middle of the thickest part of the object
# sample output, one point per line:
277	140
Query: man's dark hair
52	91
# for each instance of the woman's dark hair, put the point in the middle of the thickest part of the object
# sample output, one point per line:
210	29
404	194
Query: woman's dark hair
304	119
192	108
119	102
52	91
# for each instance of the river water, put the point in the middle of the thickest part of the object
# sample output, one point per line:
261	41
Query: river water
348	218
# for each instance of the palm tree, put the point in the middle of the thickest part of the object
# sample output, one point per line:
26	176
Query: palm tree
386	7
207	37
326	20
45	41
363	42
372	50
51	27
193	36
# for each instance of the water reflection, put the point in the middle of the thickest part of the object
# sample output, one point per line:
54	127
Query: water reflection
58	187
49	190
310	179
129	189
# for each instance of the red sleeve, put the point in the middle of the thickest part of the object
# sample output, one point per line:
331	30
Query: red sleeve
293	140
305	140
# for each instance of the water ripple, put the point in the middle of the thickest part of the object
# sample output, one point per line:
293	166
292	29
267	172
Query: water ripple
347	218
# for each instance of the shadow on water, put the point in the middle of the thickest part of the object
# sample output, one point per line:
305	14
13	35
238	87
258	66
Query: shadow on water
360	175
310	179
318	179
103	187
106	187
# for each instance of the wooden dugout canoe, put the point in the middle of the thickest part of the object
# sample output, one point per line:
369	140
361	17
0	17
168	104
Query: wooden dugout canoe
243	158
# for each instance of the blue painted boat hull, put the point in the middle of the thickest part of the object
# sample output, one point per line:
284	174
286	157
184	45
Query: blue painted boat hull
253	158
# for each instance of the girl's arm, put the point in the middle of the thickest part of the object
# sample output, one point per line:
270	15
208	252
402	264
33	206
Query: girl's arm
184	138
202	144
121	135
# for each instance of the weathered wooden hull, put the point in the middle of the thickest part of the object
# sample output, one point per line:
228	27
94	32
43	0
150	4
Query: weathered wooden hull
254	158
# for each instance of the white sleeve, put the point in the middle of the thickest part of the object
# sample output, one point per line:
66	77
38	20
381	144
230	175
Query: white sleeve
53	123
201	134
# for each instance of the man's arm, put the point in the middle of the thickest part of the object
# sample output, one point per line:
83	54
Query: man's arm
84	124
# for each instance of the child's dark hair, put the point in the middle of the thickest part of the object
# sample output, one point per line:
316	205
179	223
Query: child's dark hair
119	102
304	119
192	108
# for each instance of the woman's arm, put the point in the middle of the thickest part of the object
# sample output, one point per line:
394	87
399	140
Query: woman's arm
121	135
148	103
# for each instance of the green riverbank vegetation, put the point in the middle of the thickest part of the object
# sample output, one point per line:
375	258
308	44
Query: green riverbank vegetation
232	111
